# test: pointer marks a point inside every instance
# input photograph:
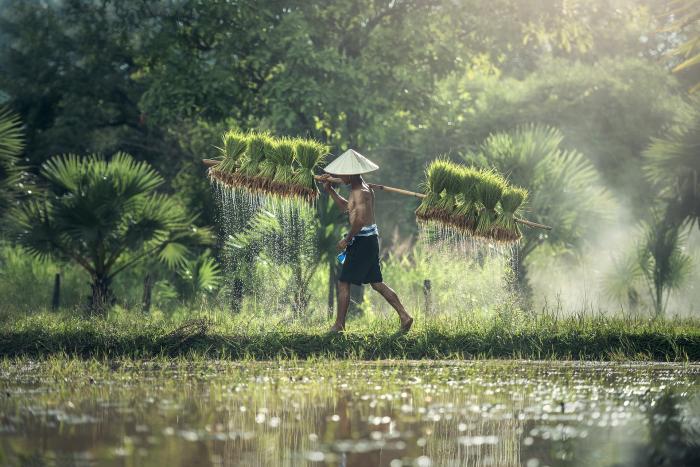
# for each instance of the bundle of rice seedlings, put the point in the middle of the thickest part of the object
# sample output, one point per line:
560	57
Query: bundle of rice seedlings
467	210
309	155
234	147
266	167
249	164
283	156
490	188
505	228
447	204
436	175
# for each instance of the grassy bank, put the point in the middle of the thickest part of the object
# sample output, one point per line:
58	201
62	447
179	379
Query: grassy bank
218	335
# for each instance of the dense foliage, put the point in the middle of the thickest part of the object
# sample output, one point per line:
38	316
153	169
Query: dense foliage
401	80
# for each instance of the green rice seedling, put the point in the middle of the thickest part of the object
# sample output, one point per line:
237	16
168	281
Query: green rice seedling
284	157
467	211
234	147
267	166
254	154
436	175
309	155
505	228
490	188
448	198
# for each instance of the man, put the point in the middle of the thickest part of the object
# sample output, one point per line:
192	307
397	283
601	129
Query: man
361	265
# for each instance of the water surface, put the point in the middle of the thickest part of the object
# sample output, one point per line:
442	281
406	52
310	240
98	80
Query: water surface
178	413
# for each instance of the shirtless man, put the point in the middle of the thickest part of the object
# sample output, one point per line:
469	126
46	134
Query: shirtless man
361	264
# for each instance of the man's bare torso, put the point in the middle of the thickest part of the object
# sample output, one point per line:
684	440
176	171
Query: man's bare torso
361	206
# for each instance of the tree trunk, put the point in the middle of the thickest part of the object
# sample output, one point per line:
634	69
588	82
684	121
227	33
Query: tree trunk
56	297
147	292
520	284
427	294
102	297
659	299
236	295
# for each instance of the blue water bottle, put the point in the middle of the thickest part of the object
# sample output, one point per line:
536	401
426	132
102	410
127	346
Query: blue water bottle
341	256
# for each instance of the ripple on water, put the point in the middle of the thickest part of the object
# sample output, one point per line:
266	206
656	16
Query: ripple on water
441	413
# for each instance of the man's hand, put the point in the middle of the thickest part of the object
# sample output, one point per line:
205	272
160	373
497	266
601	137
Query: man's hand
342	244
327	184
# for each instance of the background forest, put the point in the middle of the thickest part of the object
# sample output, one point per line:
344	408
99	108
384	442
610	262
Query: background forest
591	105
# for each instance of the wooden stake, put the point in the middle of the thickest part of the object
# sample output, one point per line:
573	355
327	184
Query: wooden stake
376	186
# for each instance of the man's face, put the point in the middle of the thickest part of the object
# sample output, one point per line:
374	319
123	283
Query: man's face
345	179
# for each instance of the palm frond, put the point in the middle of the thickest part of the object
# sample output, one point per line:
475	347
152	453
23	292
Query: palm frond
11	136
672	164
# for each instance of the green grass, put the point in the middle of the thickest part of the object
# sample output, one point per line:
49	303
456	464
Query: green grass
220	335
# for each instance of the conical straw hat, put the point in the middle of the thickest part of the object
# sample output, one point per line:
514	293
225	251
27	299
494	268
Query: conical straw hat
351	162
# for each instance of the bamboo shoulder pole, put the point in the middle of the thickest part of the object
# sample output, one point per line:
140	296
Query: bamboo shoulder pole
376	186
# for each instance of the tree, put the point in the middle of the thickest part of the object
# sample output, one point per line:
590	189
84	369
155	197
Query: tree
566	191
299	240
672	165
655	267
11	145
662	263
105	216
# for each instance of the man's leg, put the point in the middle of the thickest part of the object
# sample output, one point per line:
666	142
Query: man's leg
343	303
393	299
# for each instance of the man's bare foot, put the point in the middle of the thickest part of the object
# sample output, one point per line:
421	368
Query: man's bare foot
335	329
406	324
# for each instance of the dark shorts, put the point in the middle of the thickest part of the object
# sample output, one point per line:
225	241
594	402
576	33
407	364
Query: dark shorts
361	264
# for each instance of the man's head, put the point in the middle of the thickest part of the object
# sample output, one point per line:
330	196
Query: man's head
350	179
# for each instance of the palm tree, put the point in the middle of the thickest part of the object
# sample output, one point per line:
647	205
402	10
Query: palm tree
11	146
305	242
662	263
565	189
105	216
672	165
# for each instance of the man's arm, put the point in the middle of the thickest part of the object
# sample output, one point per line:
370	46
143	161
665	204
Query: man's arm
339	200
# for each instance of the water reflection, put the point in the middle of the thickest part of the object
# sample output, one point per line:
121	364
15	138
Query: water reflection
348	414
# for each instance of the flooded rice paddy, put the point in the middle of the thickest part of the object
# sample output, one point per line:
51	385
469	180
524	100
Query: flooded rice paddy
176	413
